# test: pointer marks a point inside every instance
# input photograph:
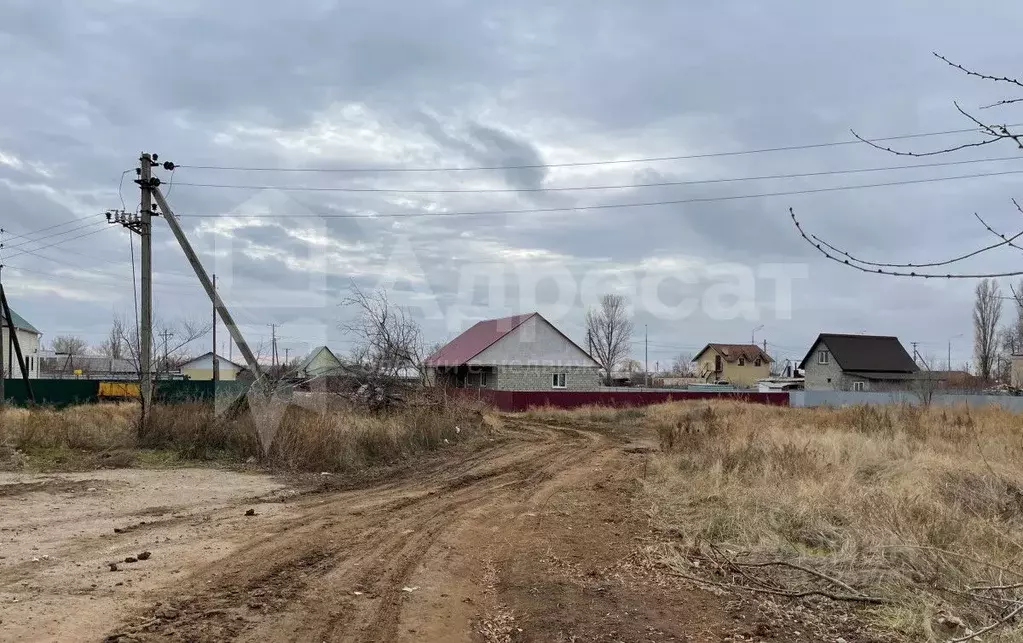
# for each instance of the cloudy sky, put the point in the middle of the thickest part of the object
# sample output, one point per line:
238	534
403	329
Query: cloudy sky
393	96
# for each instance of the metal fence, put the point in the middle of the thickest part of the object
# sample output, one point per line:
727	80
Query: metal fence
874	398
60	393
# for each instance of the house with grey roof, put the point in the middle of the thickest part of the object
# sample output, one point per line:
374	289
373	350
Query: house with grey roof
839	362
29	338
518	353
320	362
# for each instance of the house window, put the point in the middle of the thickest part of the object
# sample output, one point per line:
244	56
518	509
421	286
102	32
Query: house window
558	380
857	386
717	363
742	361
823	357
757	362
483	379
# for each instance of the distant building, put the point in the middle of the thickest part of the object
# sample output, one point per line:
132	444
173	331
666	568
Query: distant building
838	362
29	340
520	353
321	362
201	368
62	366
739	364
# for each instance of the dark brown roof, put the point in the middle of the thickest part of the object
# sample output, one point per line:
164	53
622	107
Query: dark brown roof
732	352
875	353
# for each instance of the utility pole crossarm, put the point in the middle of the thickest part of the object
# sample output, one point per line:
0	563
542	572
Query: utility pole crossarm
207	283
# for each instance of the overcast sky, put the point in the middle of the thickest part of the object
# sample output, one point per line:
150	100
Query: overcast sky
391	85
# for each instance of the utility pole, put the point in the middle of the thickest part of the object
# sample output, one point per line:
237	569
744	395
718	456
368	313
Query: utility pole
216	359
287	357
166	334
145	182
17	344
753	335
915	354
273	344
3	373
646	354
949	363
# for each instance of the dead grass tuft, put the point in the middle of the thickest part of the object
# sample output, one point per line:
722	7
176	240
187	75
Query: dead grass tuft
919	506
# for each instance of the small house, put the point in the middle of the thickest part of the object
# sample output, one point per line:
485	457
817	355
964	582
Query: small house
321	362
201	368
28	340
519	353
837	362
741	365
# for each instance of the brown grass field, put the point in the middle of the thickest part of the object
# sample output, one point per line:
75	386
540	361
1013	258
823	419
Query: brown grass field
919	512
909	519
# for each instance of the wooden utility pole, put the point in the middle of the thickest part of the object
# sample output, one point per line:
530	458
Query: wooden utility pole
646	355
216	360
166	334
273	344
145	182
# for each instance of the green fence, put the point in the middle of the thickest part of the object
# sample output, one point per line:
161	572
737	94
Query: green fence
69	392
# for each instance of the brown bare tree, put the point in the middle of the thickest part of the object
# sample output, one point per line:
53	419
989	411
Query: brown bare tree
987	311
182	333
389	341
609	330
69	345
682	365
989	134
113	346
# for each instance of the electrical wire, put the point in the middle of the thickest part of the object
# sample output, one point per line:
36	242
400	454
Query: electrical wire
652	159
55	234
631	186
81	236
134	286
28	235
607	206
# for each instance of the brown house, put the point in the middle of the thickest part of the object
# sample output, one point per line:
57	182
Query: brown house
738	364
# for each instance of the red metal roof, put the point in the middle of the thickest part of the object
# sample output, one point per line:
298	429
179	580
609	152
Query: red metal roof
475	340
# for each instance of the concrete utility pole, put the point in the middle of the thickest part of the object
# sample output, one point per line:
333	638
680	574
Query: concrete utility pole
145	182
273	344
216	359
287	356
17	344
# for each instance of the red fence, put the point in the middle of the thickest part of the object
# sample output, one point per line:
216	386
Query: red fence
522	400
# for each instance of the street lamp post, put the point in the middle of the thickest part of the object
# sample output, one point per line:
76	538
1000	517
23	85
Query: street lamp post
950	349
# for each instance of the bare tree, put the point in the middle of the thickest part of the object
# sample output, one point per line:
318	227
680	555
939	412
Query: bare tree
180	335
389	342
69	345
987	311
113	346
989	134
609	330
682	365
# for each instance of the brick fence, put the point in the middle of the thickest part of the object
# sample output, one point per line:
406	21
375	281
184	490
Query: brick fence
523	400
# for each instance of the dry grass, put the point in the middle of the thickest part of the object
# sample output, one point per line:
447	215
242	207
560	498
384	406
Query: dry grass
918	507
339	439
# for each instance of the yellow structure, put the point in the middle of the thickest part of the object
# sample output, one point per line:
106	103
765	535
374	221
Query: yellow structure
118	390
738	364
201	368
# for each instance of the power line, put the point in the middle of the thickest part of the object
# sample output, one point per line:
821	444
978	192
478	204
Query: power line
55	234
607	206
28	235
81	236
785	148
765	177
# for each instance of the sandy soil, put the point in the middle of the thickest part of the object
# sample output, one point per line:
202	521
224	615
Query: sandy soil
531	539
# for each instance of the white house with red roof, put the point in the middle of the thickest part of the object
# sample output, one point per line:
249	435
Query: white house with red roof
519	353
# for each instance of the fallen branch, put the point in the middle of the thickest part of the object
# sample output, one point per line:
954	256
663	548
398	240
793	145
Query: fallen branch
861	598
1005	619
783	563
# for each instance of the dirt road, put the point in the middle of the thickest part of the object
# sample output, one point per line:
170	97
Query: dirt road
530	539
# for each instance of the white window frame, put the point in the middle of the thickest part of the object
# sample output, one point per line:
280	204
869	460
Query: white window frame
823	356
559	380
858	386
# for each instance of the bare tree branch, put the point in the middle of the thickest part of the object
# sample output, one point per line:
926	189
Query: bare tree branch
970	72
388	340
987	312
831	252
